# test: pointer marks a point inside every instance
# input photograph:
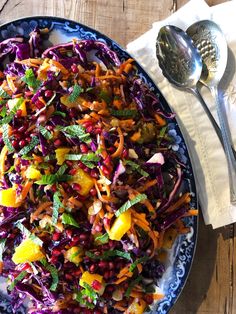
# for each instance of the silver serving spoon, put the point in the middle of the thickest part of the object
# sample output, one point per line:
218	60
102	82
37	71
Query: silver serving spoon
212	45
181	64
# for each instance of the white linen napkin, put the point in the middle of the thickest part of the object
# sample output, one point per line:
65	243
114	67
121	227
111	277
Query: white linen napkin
208	158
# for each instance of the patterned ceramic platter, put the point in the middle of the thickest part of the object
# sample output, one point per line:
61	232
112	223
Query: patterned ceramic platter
181	255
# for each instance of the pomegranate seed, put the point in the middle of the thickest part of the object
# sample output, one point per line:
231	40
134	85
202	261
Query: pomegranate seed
96	285
75	240
14	143
25	266
93	192
106	275
57	142
81	165
69	233
73	113
56	236
69	163
76	186
39	104
74	68
84	148
48	93
69	276
148	298
105	170
111	265
54	188
97	131
125	153
86	169
83	236
22	143
72	171
49	127
19	113
98	228
89	129
92	268
94	173
28	93
53	259
23	128
87	124
56	252
102	264
77	272
28	139
107	161
106	222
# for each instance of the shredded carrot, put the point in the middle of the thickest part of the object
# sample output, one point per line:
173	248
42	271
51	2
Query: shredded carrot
185	198
3	157
191	212
122	279
154	236
97	70
75	202
109	77
59	66
147	185
124	65
10	81
25	191
157	296
136	294
136	136
119	150
160	120
39	210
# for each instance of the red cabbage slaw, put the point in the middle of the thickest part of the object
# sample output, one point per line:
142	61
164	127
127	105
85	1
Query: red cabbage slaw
90	187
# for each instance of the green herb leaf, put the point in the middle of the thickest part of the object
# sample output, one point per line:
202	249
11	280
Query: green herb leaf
139	198
2	247
30	79
87	159
3	112
4	94
57	204
28	234
104	95
108	254
67	219
77	90
77	131
89	292
45	133
25	150
161	134
6	139
10	169
7	119
132	285
54	273
49	179
20	277
61	170
59	113
138	261
126	113
103	239
136	167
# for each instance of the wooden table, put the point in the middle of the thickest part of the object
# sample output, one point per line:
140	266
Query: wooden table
211	287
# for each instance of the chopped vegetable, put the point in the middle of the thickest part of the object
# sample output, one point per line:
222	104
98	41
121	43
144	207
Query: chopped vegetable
27	251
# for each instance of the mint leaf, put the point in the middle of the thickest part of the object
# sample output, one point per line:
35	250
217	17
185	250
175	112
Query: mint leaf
30	79
49	179
87	159
25	150
7	119
104	95
67	219
6	140
45	133
136	167
77	131
139	198
138	261
61	170
126	113
54	273
132	285
3	112
4	94
108	254
103	239
57	204
77	90
28	234
59	113
20	277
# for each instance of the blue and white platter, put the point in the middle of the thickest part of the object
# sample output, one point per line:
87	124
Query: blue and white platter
181	254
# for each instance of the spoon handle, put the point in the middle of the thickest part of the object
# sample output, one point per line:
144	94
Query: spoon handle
227	145
218	131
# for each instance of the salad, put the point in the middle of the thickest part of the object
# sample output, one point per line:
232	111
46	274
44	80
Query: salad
90	187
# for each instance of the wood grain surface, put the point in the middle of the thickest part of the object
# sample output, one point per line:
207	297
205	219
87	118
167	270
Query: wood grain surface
211	287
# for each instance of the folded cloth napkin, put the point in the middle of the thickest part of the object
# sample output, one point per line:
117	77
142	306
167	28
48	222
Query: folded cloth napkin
208	158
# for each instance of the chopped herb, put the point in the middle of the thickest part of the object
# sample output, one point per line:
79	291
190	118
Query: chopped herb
28	234
77	131
25	150
2	247
49	157
20	277
59	113
67	219
57	204
136	167
138	261
7	119
47	134
49	179
6	140
61	170
104	95
87	159
132	285
126	113
30	79
109	254
54	273
161	134
104	238
77	90
139	198
4	94
3	112
10	169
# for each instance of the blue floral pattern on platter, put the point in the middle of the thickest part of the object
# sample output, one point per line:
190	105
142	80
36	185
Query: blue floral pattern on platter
181	255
